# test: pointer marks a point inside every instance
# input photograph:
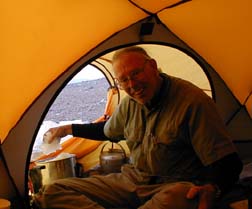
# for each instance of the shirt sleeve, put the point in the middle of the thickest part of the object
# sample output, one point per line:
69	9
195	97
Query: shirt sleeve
91	131
208	133
114	128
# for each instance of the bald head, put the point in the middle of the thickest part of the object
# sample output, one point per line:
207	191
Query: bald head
126	50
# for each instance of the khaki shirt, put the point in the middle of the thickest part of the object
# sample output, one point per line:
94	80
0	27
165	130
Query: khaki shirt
177	137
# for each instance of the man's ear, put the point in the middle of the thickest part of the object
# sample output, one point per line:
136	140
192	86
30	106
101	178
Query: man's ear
153	63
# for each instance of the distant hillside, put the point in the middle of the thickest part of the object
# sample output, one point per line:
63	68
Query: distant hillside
84	101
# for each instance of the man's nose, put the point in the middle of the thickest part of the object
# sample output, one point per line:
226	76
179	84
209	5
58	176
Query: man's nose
132	83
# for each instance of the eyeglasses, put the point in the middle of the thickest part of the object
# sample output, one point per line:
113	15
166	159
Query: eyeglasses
135	75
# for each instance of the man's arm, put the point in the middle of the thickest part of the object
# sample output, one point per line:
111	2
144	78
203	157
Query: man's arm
90	131
225	173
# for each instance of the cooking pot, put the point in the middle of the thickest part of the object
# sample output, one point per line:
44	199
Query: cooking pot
48	170
112	160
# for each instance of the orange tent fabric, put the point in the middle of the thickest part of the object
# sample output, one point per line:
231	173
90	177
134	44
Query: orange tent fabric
45	43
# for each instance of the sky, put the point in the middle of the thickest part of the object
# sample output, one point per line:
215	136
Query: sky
87	73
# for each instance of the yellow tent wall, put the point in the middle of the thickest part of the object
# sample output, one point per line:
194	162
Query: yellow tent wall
44	43
40	39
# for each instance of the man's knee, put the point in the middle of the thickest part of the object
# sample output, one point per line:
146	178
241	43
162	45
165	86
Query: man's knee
174	197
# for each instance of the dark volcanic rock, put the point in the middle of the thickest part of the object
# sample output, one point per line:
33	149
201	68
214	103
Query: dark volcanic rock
84	101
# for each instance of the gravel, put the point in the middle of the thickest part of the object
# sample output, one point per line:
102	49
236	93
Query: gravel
83	101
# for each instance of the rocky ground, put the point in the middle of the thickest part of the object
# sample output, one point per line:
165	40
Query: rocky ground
83	101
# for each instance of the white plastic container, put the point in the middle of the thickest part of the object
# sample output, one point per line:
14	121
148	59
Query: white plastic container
53	146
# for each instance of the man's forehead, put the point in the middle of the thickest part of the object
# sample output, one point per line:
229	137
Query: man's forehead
130	57
124	66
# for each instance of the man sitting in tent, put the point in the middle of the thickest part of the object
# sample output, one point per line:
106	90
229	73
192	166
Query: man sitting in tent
181	154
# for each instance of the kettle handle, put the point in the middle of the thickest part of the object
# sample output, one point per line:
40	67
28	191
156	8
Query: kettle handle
124	153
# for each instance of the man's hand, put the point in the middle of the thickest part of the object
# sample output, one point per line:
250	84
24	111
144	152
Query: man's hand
57	132
205	193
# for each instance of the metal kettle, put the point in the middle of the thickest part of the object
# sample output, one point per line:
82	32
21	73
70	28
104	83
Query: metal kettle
112	159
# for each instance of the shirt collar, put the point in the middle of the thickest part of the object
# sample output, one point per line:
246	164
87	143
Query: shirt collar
156	100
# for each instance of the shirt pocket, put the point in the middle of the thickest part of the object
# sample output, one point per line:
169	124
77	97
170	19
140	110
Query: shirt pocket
134	133
166	134
166	144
